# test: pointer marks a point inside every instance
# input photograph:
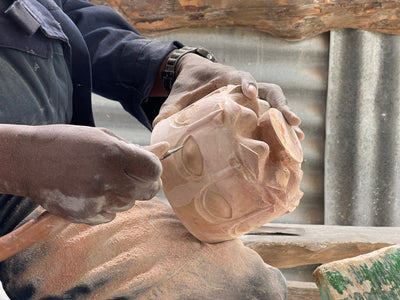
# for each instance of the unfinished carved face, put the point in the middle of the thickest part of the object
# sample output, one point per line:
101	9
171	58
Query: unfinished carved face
237	170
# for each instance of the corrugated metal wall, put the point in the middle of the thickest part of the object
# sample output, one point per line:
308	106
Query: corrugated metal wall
363	130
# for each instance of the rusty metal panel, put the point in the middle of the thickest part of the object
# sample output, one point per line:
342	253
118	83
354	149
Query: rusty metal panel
363	130
300	68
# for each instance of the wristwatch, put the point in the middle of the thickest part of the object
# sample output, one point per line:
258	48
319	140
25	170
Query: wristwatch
168	74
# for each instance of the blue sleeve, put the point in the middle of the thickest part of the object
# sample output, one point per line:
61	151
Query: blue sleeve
124	63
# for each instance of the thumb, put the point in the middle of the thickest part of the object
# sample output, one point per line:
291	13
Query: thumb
249	89
159	149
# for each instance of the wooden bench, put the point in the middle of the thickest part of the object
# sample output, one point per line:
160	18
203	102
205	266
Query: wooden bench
293	245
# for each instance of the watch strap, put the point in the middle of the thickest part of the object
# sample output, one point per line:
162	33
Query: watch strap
168	74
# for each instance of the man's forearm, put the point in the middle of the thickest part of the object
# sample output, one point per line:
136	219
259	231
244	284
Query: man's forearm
13	159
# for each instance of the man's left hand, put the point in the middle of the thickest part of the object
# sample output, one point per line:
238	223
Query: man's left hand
198	77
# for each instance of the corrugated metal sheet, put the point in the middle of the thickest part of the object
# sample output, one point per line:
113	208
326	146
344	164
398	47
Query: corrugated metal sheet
111	115
363	130
300	68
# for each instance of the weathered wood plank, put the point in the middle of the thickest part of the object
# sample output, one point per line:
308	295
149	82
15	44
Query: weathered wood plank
299	290
291	245
290	20
371	276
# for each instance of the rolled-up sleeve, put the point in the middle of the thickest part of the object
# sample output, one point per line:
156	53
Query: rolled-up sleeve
124	63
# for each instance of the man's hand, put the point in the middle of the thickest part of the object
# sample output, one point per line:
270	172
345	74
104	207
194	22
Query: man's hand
273	94
197	77
82	174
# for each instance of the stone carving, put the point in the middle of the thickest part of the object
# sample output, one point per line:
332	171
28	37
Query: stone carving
240	166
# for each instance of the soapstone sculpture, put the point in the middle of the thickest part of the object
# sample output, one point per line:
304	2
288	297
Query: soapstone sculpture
240	166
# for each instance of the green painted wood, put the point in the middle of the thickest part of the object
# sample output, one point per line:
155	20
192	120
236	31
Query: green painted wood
371	276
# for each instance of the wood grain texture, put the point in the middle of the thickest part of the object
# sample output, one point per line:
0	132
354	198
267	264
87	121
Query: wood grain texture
374	275
291	245
299	290
286	19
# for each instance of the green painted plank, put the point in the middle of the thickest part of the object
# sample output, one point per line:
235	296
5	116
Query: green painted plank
371	276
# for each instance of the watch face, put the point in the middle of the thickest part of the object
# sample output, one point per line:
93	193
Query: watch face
205	53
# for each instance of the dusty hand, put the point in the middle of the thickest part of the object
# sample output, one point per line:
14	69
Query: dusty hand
273	94
197	77
87	174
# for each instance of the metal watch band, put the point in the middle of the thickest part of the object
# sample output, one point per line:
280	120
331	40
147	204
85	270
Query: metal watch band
168	74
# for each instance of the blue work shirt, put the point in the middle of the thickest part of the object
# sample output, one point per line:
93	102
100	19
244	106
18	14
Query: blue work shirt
108	56
58	53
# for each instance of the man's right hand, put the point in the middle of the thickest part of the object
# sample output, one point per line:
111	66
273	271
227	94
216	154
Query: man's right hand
82	174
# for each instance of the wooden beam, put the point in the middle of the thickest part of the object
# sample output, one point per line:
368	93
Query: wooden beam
374	275
291	245
300	290
289	19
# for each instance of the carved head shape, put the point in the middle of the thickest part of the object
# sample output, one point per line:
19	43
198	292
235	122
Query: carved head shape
237	170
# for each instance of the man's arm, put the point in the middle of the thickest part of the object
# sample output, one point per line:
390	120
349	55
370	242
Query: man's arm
125	65
80	173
